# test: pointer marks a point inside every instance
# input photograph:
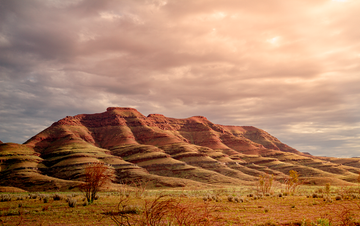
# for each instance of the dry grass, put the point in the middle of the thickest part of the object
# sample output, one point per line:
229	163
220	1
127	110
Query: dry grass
136	206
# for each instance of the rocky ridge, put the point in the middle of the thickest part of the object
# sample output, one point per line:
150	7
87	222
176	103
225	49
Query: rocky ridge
168	152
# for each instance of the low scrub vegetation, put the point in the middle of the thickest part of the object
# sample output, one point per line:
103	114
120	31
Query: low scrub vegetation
326	205
97	176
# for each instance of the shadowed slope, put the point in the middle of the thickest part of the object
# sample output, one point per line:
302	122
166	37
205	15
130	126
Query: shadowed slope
21	166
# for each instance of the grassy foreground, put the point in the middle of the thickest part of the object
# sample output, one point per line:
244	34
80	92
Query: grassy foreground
228	206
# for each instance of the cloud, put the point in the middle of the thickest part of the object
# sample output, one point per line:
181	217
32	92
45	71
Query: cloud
289	67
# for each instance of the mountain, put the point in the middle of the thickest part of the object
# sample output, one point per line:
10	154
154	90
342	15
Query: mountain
167	152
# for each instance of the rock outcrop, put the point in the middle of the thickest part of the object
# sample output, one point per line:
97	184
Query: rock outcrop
166	151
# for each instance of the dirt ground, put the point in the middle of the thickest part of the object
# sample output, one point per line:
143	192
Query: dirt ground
182	208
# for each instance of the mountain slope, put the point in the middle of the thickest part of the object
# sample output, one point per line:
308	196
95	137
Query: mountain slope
166	151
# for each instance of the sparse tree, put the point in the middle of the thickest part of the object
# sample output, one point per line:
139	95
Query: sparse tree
97	175
265	183
292	182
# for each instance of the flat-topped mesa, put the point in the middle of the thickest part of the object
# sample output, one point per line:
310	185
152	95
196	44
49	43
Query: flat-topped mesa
114	116
121	108
123	125
125	112
92	121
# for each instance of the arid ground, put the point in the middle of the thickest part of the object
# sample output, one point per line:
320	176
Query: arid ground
226	206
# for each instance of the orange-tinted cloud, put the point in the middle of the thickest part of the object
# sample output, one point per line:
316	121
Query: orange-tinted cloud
289	67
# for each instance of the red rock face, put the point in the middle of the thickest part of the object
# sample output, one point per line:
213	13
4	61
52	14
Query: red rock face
1	142
193	148
120	126
166	151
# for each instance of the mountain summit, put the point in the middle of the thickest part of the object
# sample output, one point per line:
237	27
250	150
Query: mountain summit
126	126
168	152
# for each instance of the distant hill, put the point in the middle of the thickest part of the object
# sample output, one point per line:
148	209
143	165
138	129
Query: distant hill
168	152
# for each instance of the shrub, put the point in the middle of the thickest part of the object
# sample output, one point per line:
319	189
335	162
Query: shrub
33	196
41	196
230	198
265	183
46	199
131	209
97	175
327	188
292	182
327	198
57	197
72	202
5	198
236	199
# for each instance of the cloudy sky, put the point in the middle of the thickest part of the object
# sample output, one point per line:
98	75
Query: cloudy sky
289	67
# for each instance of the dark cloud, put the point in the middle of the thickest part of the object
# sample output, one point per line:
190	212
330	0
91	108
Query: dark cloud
289	67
